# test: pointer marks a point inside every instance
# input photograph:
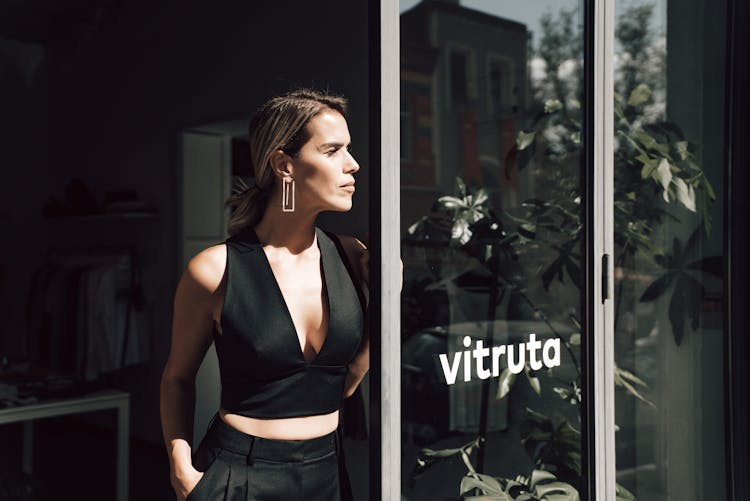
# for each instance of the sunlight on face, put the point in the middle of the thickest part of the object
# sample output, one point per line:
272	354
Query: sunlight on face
324	168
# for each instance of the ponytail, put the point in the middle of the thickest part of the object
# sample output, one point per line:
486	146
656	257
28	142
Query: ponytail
247	208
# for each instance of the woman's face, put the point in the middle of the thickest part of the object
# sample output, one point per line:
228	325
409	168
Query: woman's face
323	170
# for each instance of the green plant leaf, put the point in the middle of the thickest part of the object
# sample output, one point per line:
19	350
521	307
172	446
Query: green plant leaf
524	139
533	381
461	185
713	265
556	491
622	381
546	487
460	231
485	483
574	271
677	312
685	193
650	143
415	227
554	269
503	497
539	419
649	165
438	454
568	435
563	393
622	494
480	197
664	175
504	383
681	147
657	287
677	254
450	202
709	189
528	230
540	476
429	457
552	105
444	453
639	95
625	374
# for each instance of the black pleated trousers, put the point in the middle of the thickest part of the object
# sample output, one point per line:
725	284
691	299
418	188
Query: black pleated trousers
242	467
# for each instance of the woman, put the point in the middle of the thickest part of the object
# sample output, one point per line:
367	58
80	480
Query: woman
284	303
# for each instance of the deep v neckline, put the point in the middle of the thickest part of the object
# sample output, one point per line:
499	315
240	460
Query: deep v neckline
285	306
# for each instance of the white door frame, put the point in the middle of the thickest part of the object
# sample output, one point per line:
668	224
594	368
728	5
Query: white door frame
603	245
390	264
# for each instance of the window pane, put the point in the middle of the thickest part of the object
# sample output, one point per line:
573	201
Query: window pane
669	171
492	229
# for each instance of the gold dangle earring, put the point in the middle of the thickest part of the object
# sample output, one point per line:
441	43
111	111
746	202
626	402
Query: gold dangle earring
287	195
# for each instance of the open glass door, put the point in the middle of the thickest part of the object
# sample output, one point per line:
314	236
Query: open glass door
493	242
564	251
670	163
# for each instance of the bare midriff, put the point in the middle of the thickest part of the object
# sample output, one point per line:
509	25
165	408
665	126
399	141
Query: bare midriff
294	428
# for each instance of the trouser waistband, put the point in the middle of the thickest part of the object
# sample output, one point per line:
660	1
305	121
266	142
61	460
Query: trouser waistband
226	437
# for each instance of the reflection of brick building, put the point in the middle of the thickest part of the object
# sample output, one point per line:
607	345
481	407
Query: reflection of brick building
417	157
463	78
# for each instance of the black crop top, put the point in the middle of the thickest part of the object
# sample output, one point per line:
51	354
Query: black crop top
263	371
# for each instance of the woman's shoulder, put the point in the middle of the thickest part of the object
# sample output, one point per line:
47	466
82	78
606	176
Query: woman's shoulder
351	244
207	267
355	252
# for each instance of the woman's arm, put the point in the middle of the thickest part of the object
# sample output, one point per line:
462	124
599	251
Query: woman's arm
359	257
192	330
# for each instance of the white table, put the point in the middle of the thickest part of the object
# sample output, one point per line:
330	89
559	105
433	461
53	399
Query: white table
100	400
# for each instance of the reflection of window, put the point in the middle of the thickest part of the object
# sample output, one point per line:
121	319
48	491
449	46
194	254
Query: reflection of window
459	77
500	85
407	143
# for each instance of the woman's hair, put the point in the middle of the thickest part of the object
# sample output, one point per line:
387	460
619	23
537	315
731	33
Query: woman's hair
279	124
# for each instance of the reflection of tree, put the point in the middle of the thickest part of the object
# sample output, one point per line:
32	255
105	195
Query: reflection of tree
658	179
556	58
642	56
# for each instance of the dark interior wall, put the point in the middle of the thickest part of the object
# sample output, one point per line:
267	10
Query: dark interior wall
24	160
738	241
121	88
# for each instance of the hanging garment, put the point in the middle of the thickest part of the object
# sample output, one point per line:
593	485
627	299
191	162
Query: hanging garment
84	317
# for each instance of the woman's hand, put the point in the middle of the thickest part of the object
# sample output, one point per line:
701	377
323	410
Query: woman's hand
364	265
184	483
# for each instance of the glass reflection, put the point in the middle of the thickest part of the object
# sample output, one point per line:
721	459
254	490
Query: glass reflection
669	116
491	218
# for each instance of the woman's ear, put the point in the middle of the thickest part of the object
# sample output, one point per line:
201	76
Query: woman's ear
281	163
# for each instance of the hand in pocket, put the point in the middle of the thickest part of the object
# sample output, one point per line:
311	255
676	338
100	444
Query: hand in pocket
188	483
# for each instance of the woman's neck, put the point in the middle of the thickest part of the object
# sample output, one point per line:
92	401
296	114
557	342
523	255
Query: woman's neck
293	230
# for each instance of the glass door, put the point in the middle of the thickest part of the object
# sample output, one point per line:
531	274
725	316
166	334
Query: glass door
493	241
561	326
670	161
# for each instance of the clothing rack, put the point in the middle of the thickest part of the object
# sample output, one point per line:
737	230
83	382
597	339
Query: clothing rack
123	291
